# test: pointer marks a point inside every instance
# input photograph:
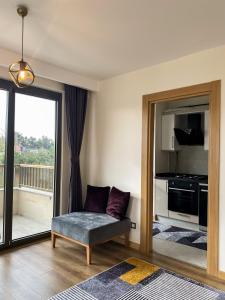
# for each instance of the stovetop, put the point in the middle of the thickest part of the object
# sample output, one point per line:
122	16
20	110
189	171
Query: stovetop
194	177
191	176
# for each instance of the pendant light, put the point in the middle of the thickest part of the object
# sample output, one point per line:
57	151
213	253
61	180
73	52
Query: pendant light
21	72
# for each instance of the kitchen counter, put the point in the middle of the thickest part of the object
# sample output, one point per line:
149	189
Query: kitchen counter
165	176
170	175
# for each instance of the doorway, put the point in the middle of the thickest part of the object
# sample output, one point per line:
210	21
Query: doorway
180	182
30	140
212	90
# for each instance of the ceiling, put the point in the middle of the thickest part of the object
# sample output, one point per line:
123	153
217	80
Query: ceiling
104	38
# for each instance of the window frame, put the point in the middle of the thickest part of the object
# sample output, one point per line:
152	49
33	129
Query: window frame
9	158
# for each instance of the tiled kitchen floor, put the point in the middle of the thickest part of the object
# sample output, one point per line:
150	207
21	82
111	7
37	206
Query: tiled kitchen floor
184	253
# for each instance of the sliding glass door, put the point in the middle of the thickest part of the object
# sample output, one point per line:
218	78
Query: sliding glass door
32	162
3	114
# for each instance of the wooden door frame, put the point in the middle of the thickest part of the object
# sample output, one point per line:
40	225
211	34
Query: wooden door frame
213	90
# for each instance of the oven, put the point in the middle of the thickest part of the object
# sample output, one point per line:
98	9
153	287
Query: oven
183	196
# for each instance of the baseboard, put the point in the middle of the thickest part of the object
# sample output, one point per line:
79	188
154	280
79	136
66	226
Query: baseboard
221	275
132	245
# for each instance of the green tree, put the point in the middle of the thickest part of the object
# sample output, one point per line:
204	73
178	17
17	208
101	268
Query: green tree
41	157
34	151
45	142
33	143
2	149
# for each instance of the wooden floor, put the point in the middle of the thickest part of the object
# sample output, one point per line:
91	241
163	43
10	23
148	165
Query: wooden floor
37	271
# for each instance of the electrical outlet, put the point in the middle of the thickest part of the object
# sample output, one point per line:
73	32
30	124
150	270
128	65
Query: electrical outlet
133	225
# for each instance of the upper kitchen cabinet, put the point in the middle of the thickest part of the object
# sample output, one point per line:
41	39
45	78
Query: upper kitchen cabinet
169	142
206	131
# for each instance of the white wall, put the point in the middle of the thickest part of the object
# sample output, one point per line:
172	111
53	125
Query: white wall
192	160
115	118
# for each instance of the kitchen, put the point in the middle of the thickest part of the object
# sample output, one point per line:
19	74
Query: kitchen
181	179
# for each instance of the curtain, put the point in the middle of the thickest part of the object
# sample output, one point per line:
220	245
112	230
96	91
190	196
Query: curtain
76	103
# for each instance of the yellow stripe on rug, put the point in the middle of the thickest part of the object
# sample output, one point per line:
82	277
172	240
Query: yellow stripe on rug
142	270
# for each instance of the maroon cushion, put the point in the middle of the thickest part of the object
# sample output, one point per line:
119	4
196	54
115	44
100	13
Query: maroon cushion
118	203
97	199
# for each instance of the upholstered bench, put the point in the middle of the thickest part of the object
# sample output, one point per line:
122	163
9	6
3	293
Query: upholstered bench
89	229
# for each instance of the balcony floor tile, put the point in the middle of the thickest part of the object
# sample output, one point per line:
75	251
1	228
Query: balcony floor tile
23	226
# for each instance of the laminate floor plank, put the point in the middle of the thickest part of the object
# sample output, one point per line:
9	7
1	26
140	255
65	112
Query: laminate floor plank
37	271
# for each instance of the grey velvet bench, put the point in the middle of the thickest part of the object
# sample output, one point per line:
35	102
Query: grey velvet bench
89	229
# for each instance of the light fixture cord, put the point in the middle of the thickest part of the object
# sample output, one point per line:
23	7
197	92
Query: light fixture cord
22	35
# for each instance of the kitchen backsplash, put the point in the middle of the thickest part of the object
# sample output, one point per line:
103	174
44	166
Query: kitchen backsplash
190	159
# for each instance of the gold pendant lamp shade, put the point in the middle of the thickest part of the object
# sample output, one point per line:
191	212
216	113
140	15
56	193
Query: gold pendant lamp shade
21	72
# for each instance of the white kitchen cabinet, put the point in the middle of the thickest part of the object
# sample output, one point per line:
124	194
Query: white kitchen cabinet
169	142
206	131
161	197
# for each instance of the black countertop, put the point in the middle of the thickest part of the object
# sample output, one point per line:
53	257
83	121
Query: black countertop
170	175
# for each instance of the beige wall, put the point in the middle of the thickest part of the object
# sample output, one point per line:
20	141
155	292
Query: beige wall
114	125
15	206
37	206
49	72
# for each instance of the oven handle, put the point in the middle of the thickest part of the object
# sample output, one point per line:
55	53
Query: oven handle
183	190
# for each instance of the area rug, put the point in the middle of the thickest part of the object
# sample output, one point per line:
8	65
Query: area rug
135	279
196	239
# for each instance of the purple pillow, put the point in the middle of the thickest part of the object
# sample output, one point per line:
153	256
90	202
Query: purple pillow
96	199
118	203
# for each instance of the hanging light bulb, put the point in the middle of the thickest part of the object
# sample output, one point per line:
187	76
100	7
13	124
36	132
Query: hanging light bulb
21	72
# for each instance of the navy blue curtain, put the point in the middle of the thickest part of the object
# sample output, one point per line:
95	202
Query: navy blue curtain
76	103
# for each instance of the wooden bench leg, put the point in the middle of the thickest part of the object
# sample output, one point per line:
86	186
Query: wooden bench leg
53	239
88	253
127	243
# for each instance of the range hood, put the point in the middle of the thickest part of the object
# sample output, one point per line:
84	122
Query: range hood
192	133
189	136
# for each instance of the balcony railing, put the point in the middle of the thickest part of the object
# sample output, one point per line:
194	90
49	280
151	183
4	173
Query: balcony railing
37	177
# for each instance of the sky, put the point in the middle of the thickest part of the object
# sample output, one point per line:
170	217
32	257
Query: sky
33	116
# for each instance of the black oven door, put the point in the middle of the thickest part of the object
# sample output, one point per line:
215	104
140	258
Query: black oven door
183	197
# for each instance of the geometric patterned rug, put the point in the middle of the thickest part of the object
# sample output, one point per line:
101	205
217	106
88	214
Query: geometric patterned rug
135	279
196	239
